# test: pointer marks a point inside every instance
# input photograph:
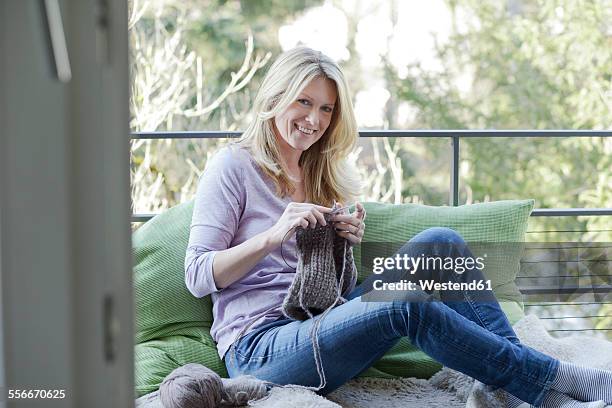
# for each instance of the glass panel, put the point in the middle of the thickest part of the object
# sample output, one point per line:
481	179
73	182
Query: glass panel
590	313
591	318
569	229
558	172
405	170
165	172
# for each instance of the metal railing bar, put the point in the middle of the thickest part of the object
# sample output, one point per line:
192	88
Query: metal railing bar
484	133
565	290
571	247
547	231
454	187
200	134
562	276
574	330
568	212
566	304
567	261
143	217
491	133
573	317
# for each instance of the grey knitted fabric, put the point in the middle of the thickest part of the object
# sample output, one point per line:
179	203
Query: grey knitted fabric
325	263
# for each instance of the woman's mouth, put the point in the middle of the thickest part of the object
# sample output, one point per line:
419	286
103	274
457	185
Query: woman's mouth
304	130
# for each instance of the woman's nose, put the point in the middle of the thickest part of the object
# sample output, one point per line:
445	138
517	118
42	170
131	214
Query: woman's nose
313	117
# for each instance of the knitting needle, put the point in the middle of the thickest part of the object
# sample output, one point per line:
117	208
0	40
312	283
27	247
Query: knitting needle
337	210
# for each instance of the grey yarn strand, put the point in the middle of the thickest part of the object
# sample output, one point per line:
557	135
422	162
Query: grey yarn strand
240	390
196	386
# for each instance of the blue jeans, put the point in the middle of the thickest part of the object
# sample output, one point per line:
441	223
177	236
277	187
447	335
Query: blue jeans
470	336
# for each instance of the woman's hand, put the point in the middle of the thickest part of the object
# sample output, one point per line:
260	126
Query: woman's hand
296	214
351	226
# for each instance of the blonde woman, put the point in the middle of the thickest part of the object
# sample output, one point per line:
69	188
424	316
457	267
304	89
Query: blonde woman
287	171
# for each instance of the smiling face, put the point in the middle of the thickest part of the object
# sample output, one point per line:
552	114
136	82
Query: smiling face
307	118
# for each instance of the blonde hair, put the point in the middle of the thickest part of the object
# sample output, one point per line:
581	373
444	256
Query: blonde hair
327	173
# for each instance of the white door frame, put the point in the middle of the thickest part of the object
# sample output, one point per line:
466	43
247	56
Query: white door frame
65	249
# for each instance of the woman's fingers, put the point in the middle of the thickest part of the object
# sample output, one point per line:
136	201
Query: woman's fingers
299	222
310	218
352	239
322	209
351	233
319	216
307	206
315	214
304	206
360	211
359	231
349	226
313	217
342	226
348	219
311	213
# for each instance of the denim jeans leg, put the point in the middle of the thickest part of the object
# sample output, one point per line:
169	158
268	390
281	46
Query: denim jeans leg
351	338
465	346
354	335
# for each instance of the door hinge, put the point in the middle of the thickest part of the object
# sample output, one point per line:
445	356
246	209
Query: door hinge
110	329
103	31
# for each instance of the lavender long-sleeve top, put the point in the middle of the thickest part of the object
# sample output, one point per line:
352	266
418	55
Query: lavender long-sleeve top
235	201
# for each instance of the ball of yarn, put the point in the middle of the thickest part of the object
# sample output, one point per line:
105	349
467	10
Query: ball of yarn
196	386
191	386
238	391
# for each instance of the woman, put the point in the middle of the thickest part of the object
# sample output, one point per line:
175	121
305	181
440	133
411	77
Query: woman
287	171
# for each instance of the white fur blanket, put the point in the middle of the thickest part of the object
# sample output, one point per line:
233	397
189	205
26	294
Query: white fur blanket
446	389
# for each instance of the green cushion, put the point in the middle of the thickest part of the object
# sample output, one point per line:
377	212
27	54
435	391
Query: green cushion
155	359
172	326
497	222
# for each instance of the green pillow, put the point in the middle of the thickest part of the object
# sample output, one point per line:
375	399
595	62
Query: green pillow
172	326
155	359
500	221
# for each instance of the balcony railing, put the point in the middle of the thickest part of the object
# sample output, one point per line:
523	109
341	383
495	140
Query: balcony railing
601	293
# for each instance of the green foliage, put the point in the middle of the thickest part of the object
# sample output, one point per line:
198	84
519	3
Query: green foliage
542	65
219	35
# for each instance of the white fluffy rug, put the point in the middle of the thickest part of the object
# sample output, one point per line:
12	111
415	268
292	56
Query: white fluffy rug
446	389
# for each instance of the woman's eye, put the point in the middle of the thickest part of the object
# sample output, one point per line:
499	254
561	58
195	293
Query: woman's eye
305	102
327	109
